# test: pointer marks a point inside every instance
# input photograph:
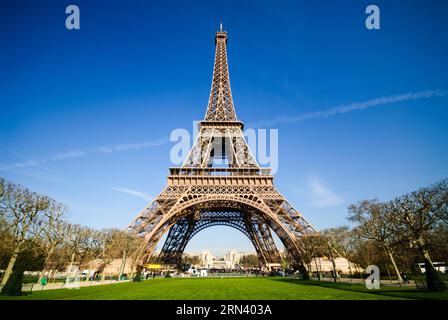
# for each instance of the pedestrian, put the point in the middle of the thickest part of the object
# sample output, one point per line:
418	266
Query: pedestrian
404	276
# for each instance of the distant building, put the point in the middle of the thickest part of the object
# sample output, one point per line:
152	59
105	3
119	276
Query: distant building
197	272
220	264
229	261
232	256
343	266
111	268
206	259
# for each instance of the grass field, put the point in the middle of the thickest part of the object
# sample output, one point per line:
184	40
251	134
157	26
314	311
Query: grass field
232	288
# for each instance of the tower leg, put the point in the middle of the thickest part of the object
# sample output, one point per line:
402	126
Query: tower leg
176	241
262	239
269	247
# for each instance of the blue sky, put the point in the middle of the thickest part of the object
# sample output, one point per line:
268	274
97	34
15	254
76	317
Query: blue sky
85	115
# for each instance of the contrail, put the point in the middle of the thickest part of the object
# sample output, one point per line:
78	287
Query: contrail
352	107
132	146
29	161
72	154
68	155
131	192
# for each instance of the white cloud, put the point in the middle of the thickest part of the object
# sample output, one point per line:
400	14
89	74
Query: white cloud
352	107
320	195
132	192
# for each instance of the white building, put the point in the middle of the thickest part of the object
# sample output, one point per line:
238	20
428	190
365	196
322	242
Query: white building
232	256
197	272
223	264
206	259
230	260
343	266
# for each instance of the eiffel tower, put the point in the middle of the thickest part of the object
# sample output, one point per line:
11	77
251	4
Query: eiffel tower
240	194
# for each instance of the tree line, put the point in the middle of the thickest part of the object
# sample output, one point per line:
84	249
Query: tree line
35	236
395	235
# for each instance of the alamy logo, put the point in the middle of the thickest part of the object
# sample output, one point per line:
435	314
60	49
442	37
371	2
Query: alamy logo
373	20
72	280
373	280
225	148
73	20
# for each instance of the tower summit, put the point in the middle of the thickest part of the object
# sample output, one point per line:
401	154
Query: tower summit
220	104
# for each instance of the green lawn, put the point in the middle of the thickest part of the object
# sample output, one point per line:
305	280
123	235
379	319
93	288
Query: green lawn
231	288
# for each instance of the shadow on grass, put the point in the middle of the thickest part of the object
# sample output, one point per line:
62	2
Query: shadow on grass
403	292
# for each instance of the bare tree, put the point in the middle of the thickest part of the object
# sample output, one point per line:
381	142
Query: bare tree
54	232
375	224
313	246
73	240
118	244
108	247
439	201
342	240
90	244
330	246
418	213
24	211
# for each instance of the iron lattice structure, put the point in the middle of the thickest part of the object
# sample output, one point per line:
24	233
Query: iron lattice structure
238	194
